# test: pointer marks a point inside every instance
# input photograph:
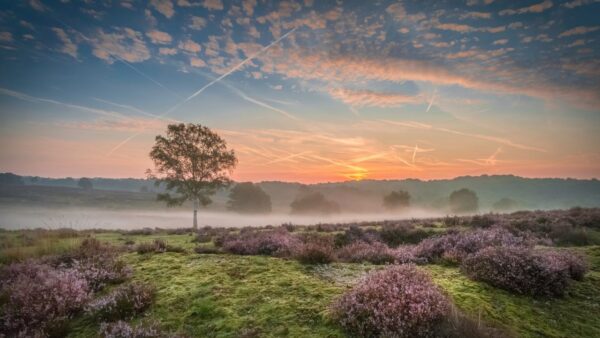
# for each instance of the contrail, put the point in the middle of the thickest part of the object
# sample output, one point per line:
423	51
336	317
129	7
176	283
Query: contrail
135	109
238	66
430	102
260	103
199	91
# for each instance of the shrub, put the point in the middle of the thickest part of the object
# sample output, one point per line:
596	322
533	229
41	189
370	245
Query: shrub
482	221
96	261
39	299
573	262
157	246
122	303
351	235
400	301
520	270
270	243
454	247
357	252
315	250
395	235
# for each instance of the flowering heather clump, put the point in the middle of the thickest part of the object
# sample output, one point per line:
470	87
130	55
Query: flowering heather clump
315	250
270	243
121	329
122	303
574	262
406	254
38	299
400	301
454	247
357	252
354	234
521	270
97	262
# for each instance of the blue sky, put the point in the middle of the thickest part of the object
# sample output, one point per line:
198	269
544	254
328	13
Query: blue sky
304	90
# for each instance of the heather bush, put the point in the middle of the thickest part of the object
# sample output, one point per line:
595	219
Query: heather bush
454	247
97	262
122	303
38	299
315	250
271	243
394	235
572	261
400	301
351	235
522	270
358	252
482	221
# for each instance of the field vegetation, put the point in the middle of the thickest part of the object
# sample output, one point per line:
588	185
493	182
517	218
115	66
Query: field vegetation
525	274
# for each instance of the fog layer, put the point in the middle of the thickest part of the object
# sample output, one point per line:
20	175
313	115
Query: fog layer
77	218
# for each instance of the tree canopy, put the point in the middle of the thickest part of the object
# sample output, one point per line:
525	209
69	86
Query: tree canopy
250	198
313	203
464	201
193	162
396	200
85	183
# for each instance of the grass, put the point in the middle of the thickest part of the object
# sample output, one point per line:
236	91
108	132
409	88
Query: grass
254	296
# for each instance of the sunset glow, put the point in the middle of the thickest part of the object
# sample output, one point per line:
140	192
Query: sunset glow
304	91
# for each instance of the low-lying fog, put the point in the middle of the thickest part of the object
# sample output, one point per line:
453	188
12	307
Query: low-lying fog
36	217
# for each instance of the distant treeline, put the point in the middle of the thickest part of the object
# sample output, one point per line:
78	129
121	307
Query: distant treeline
488	193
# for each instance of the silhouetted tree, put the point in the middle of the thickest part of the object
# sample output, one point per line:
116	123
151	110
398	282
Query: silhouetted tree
505	204
396	200
11	179
85	183
193	162
313	203
249	198
463	201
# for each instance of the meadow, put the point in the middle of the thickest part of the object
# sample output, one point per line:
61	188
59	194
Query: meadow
286	280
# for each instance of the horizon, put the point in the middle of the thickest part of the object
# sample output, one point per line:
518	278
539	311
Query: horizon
304	91
330	182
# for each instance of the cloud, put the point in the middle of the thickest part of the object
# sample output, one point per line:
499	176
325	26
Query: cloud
579	30
362	98
500	42
212	4
159	37
190	46
68	46
577	3
475	15
164	7
197	62
27	24
6	37
537	8
167	51
37	5
248	6
126	44
198	23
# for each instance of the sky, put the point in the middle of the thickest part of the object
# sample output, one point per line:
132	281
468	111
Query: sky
307	91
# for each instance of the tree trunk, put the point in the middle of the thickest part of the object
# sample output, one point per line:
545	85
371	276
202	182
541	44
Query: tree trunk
195	214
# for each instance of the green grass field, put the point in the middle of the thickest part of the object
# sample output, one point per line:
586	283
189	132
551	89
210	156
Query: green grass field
205	295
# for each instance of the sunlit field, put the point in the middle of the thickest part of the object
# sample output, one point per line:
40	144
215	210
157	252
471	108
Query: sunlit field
283	280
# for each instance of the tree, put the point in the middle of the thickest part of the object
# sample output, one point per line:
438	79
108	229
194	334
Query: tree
10	179
249	198
313	203
193	162
463	201
396	200
85	183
